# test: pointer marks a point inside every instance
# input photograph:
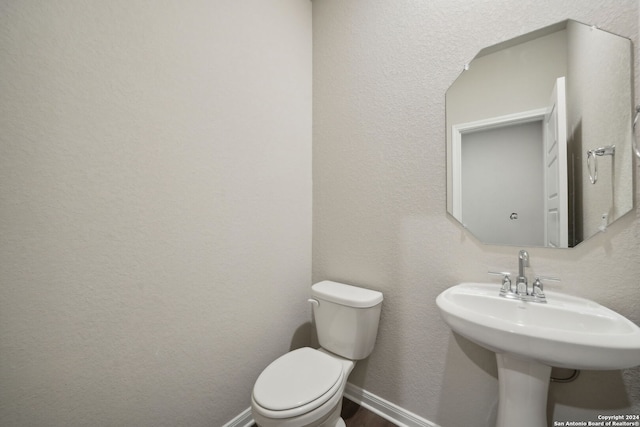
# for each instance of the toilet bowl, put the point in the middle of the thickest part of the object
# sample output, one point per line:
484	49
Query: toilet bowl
304	387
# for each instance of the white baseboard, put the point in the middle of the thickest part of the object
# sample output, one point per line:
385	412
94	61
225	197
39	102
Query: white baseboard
376	404
243	420
384	408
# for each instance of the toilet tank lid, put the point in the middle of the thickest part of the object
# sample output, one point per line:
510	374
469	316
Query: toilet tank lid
351	296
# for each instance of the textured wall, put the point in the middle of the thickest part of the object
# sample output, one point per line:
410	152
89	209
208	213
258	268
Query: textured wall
598	85
381	70
155	193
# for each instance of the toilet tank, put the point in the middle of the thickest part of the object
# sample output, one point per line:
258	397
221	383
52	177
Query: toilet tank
346	318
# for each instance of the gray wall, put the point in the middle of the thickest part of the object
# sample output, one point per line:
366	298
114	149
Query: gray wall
588	99
381	70
155	193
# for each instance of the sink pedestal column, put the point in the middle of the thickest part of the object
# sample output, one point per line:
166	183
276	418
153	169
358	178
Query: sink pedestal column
523	387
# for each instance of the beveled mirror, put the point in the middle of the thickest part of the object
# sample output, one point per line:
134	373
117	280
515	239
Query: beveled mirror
539	137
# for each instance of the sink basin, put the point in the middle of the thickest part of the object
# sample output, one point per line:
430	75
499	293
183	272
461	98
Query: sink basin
531	337
567	332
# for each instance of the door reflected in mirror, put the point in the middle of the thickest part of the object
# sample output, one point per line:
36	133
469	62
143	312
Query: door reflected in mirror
520	121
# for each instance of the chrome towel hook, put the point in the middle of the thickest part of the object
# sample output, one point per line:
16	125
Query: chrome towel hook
609	150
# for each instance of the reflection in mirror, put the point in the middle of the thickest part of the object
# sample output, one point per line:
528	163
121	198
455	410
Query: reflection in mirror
528	123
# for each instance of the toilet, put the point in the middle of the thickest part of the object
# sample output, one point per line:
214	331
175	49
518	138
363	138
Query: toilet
304	387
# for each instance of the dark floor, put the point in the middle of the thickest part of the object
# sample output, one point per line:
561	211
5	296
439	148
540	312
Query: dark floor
356	416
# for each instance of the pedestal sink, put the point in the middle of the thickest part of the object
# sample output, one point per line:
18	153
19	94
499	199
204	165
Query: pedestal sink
530	337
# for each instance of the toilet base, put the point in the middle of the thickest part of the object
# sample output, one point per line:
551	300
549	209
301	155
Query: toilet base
333	420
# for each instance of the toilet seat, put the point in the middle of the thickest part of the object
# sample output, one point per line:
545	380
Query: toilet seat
297	382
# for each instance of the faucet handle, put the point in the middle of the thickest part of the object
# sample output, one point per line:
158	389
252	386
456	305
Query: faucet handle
506	281
538	289
555	279
505	275
500	273
537	284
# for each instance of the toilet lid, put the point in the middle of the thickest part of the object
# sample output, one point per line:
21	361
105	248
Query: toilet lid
295	379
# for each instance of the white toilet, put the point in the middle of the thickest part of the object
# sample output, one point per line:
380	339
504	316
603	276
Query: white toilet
304	387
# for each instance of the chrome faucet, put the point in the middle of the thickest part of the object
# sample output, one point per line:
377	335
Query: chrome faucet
521	289
521	281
